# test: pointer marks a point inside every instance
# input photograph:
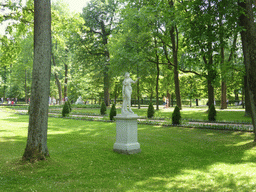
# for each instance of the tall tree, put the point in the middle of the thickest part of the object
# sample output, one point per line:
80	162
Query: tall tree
248	35
36	148
99	16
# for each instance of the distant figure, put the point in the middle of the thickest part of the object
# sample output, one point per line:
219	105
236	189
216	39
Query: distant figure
127	92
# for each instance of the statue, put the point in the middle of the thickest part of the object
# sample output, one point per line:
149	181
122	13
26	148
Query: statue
127	92
79	101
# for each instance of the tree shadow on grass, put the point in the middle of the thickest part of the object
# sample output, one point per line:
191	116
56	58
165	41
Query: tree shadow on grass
171	159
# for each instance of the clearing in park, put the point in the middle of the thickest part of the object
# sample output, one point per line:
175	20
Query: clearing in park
171	158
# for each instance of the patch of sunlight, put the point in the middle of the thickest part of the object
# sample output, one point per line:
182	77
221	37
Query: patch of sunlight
158	126
209	134
220	176
6	140
238	144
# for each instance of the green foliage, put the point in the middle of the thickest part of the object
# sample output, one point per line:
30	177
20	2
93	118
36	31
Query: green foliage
112	112
65	110
176	116
69	105
151	111
103	108
212	113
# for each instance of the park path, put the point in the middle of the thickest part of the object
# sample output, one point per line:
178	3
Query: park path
162	121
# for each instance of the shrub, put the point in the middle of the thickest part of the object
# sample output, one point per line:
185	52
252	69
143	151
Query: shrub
212	113
103	108
112	112
151	110
176	116
69	105
65	110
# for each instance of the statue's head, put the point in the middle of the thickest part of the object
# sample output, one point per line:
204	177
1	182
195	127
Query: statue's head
127	75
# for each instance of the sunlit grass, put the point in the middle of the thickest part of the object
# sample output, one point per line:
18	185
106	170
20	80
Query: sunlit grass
187	113
82	159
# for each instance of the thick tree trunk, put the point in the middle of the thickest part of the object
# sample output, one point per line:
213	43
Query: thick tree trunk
248	110
36	148
249	49
210	93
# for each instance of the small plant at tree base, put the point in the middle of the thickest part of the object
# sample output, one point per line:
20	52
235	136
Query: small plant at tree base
151	110
65	110
176	116
212	113
103	108
112	113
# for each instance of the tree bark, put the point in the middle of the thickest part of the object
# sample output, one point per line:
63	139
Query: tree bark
175	69
36	148
248	110
157	85
57	81
210	93
138	87
223	95
26	94
174	41
249	49
66	82
106	86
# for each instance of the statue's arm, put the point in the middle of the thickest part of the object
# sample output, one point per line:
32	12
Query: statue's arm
136	80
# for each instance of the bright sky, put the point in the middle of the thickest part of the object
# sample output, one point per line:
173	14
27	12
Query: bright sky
74	6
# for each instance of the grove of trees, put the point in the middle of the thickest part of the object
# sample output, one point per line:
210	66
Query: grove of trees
181	49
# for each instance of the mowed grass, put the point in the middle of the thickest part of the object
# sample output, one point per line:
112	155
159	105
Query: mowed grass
82	159
187	113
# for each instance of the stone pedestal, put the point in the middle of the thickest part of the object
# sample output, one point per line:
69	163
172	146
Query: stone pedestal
126	134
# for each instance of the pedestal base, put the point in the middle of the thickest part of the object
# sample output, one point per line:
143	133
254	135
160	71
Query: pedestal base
126	135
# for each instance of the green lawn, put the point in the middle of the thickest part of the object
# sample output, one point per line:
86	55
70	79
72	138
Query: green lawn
82	159
201	114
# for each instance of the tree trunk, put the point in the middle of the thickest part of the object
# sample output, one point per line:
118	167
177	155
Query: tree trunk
138	87
248	110
169	98
174	41
157	87
157	78
175	70
36	148
249	49
210	93
57	81
223	95
66	82
26	94
106	86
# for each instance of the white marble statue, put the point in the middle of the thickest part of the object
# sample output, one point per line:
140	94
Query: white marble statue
127	92
79	101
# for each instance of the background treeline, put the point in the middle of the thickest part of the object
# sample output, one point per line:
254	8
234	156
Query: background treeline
182	50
